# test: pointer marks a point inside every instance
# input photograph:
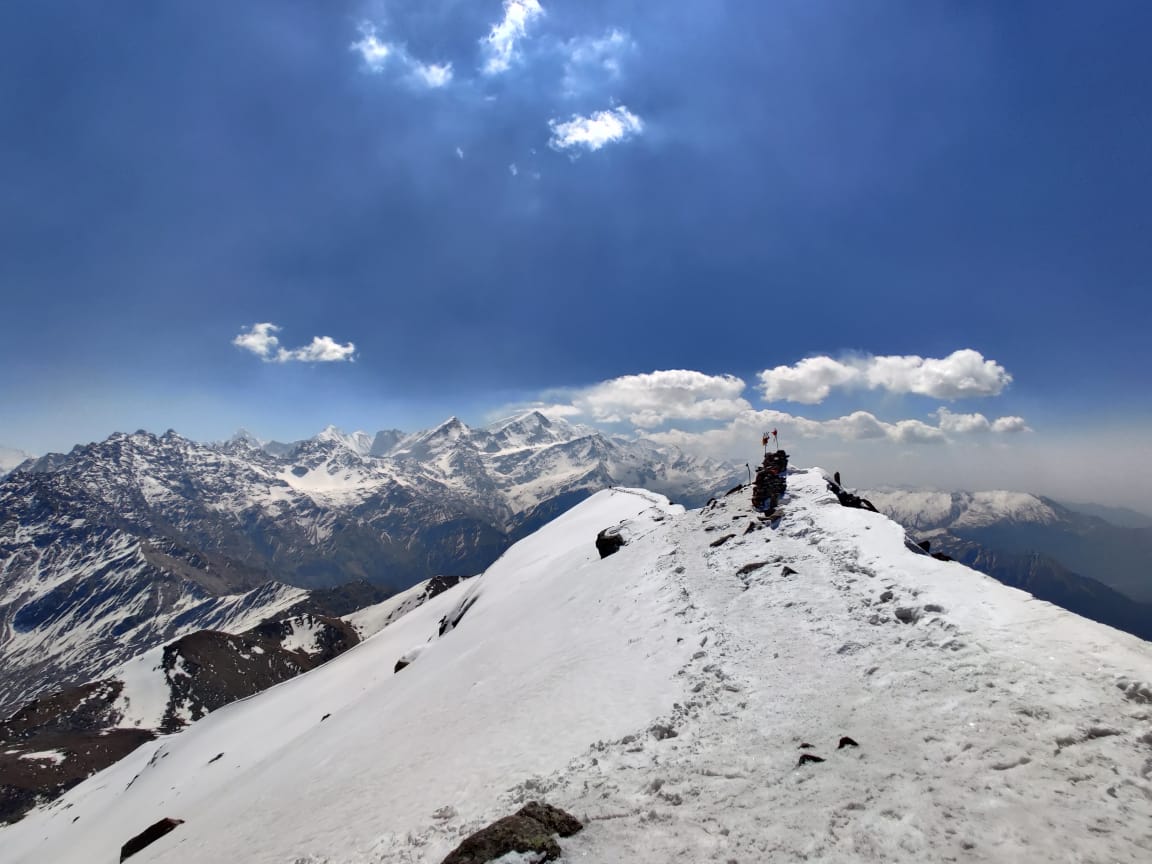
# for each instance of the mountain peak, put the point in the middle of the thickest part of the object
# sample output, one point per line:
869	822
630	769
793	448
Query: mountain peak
358	442
244	437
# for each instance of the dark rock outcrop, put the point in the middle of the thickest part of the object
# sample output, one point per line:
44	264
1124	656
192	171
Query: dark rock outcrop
530	829
148	836
609	541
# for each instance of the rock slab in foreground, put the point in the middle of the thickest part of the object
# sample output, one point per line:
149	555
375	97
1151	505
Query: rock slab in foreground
529	829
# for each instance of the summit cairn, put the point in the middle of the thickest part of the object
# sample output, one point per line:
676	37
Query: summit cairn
770	481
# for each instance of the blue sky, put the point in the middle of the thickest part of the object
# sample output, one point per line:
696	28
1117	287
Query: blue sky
484	204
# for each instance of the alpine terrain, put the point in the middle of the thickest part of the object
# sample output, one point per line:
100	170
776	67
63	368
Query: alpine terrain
727	685
122	545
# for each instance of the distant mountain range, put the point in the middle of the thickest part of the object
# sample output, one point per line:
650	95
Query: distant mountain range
1059	553
124	544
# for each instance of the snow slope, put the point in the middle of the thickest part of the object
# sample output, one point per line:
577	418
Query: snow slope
991	727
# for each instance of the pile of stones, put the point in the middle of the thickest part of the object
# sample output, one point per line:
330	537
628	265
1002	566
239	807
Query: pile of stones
770	484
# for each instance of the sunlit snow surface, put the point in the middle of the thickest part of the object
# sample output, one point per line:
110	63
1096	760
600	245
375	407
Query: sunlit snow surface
991	727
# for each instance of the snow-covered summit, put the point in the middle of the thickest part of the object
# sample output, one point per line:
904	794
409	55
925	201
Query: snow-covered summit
665	695
359	443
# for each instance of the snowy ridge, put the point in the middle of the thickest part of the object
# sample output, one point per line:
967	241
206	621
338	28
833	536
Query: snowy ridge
372	619
664	695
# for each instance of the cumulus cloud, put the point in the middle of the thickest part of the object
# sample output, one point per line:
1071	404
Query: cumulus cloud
322	349
594	131
501	44
261	340
653	398
589	61
962	374
914	432
378	55
743	432
860	426
1010	425
976	424
809	381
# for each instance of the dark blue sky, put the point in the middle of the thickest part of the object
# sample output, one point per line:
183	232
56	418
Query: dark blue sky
804	178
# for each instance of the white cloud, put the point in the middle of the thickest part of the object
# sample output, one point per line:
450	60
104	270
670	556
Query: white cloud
859	426
459	153
593	132
371	48
809	381
743	433
653	398
914	432
513	169
1010	425
500	44
378	54
591	61
977	424
962	374
432	74
322	349
262	341
962	424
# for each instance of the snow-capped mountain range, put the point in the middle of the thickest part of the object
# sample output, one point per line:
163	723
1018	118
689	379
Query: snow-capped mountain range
124	544
728	686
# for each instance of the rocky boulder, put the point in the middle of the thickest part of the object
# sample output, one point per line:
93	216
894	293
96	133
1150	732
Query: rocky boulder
609	541
530	830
